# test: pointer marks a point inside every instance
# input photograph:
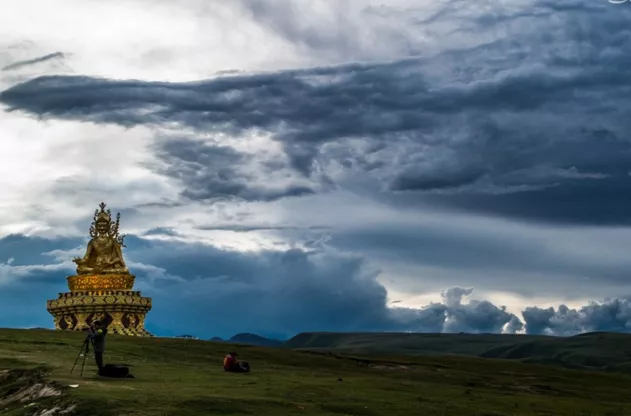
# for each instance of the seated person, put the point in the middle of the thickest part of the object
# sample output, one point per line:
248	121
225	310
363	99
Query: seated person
231	364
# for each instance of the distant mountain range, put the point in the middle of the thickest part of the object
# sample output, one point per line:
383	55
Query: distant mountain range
250	339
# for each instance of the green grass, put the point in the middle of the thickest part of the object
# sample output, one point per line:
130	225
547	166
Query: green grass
185	377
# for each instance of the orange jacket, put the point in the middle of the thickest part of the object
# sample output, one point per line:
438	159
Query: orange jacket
228	362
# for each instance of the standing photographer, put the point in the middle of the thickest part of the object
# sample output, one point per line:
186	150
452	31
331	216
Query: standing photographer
97	335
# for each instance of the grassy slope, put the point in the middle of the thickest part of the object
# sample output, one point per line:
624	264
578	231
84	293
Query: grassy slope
406	344
596	350
184	377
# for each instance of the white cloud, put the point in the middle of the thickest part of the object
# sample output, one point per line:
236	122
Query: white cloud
9	273
180	41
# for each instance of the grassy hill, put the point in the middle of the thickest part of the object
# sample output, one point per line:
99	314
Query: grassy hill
406	343
184	377
604	351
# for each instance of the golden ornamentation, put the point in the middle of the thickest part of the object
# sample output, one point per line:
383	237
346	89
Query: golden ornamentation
88	308
117	321
81	321
99	316
68	322
103	286
101	282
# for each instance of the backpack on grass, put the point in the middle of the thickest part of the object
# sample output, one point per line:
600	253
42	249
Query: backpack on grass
115	371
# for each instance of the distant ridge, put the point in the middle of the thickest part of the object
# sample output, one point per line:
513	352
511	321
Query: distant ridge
407	343
253	339
250	339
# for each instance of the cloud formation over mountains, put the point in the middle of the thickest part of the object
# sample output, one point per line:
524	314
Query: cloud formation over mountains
611	315
208	291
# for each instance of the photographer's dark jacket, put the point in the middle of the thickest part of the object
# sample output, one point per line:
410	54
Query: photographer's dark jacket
98	337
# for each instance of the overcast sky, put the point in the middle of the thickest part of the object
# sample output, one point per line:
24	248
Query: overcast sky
285	166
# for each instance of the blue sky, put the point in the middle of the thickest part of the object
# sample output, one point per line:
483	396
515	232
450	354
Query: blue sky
323	166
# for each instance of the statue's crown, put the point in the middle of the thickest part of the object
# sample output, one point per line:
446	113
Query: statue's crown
102	215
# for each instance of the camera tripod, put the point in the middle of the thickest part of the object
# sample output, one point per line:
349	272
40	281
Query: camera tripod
84	351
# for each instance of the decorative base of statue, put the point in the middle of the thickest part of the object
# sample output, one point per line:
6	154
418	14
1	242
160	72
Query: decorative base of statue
103	287
101	297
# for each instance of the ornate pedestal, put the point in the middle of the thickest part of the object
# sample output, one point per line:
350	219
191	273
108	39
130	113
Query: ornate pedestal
108	297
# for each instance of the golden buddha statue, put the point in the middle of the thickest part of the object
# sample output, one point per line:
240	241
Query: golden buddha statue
103	286
104	254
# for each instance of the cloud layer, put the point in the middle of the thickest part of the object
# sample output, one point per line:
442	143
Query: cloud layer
315	162
208	291
510	139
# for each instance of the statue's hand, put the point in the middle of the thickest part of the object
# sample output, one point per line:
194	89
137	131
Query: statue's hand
77	260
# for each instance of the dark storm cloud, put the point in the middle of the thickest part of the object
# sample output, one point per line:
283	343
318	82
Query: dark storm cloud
413	180
287	19
607	202
533	123
487	255
165	231
215	172
612	315
31	273
24	305
28	62
160	204
273	292
249	228
277	293
25	251
475	316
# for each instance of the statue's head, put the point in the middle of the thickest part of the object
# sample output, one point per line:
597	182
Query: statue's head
103	224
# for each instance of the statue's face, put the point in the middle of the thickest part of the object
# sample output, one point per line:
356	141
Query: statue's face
102	227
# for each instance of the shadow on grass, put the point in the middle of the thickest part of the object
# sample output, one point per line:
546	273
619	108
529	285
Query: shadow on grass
9	363
217	406
97	408
351	410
